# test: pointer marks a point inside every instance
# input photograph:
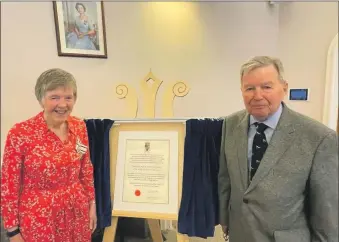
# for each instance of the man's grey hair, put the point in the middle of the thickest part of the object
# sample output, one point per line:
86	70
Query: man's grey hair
52	79
262	61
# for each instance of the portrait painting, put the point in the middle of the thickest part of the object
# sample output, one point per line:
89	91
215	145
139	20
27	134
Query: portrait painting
147	147
80	29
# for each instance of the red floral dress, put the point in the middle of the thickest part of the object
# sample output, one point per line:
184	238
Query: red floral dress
46	184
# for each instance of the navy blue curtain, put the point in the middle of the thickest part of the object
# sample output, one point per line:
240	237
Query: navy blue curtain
198	213
98	136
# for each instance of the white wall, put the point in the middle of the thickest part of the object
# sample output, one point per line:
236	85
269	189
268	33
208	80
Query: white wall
204	45
201	43
306	30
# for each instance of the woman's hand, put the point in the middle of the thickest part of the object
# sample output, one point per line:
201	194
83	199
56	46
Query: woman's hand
16	238
225	232
92	217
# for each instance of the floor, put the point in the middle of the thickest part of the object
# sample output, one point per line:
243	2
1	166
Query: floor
218	237
169	235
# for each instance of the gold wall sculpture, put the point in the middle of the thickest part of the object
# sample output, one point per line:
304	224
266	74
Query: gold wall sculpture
123	91
175	89
149	89
148	98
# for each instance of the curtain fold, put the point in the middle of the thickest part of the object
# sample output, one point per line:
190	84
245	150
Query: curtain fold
98	135
198	213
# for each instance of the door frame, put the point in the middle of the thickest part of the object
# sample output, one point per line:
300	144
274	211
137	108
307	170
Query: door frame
330	111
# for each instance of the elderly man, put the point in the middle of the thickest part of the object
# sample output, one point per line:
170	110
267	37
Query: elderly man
278	178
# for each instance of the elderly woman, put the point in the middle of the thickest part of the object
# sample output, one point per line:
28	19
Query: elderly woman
47	191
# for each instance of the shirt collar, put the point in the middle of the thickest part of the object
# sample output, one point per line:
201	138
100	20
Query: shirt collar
271	121
41	121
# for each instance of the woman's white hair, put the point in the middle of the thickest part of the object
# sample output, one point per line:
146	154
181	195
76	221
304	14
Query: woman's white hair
53	78
262	61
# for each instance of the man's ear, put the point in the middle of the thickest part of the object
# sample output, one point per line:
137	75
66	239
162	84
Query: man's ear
285	86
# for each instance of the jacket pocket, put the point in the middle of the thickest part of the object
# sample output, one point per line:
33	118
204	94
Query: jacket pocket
297	235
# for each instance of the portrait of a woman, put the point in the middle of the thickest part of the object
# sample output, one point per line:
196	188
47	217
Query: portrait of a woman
83	35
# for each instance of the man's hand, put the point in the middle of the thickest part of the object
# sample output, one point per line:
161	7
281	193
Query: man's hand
92	217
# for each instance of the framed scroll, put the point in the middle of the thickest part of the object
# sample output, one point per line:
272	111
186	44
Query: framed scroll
146	169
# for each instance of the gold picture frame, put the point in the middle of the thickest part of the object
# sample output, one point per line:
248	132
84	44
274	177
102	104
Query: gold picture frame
80	29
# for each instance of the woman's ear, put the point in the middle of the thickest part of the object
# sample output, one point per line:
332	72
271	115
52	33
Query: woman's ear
42	103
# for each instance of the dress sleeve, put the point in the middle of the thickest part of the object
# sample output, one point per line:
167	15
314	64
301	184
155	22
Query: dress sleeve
86	170
11	178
